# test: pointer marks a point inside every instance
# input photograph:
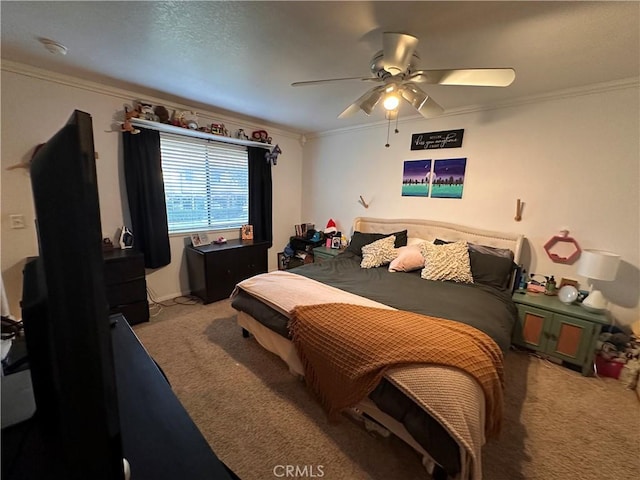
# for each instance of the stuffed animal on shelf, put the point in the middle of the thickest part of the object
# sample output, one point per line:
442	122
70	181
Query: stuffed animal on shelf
147	113
241	135
128	115
261	136
162	113
185	119
219	129
272	156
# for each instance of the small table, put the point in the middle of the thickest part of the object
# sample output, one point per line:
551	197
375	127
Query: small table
566	332
324	253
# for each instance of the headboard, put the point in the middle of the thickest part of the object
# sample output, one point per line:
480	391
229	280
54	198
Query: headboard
429	230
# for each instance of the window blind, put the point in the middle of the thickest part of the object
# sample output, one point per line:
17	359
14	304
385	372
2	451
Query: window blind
205	182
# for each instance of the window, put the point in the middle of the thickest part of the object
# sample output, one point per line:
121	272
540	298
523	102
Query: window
206	183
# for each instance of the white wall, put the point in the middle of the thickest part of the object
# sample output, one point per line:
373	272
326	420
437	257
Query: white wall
35	104
573	158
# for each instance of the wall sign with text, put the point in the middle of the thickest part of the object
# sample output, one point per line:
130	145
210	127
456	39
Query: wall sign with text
432	140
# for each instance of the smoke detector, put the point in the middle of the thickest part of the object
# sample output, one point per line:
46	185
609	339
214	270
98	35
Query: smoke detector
53	47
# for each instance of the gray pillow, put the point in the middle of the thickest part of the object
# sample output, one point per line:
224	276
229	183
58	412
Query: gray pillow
359	240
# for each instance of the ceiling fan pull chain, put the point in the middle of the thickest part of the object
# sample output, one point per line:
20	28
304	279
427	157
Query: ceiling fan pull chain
388	129
397	116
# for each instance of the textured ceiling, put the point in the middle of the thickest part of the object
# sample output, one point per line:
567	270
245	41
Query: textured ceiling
242	57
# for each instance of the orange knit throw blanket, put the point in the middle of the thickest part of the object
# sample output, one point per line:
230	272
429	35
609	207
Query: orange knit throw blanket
345	350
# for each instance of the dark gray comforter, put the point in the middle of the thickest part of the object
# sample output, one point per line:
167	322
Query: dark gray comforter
485	308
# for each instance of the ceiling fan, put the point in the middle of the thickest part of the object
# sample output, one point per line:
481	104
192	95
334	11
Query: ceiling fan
394	68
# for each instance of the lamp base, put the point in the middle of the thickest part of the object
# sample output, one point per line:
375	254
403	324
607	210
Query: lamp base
595	302
592	309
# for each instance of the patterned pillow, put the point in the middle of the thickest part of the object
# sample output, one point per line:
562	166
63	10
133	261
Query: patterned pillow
446	262
379	252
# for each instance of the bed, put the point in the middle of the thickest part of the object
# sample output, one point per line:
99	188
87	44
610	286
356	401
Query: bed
455	308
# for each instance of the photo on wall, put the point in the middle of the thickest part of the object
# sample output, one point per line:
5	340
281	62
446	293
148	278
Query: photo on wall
448	178
416	177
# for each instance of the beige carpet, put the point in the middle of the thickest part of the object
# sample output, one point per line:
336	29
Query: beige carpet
257	417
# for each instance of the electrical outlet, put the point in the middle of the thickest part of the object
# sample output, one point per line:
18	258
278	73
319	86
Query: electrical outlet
17	221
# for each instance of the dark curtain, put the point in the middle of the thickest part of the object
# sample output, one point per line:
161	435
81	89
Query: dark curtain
260	198
145	191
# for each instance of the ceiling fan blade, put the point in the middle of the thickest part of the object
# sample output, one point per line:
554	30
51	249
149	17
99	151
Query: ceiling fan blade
421	101
366	102
481	77
331	80
397	51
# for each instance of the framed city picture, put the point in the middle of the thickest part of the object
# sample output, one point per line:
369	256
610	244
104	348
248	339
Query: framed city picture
416	178
247	232
447	180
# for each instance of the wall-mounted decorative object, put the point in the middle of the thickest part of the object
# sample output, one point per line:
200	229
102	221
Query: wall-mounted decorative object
447	180
519	207
433	140
562	248
416	178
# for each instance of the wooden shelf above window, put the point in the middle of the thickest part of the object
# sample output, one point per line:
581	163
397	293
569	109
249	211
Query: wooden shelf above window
163	127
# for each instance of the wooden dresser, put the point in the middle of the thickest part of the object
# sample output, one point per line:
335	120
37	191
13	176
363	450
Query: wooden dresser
126	285
215	269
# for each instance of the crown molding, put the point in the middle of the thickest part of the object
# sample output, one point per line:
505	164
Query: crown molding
130	96
627	83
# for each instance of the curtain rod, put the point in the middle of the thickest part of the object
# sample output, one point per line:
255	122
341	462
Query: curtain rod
163	127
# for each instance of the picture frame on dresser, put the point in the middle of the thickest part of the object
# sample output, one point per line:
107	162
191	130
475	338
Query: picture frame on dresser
199	238
247	232
282	261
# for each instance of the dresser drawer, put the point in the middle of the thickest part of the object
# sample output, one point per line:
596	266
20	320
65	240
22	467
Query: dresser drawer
123	268
134	313
126	292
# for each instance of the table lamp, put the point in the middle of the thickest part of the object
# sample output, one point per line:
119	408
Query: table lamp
597	265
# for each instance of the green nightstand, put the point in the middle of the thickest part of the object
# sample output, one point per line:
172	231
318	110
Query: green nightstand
565	332
324	253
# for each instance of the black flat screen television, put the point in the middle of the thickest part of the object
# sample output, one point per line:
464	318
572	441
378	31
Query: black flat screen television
65	311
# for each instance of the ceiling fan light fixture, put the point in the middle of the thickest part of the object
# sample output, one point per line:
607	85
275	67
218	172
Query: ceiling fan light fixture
391	101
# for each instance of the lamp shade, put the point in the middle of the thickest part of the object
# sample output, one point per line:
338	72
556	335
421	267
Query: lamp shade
598	264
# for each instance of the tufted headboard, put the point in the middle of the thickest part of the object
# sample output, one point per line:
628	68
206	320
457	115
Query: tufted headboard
429	230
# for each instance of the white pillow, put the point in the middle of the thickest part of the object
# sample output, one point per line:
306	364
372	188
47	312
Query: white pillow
409	258
379	252
447	262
